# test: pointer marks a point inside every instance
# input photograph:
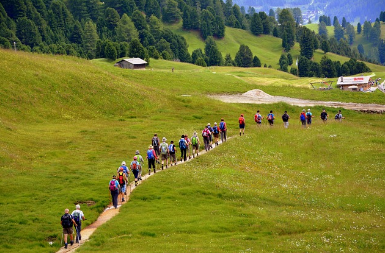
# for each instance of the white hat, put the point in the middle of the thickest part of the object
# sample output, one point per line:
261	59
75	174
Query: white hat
215	123
308	110
164	139
124	163
208	124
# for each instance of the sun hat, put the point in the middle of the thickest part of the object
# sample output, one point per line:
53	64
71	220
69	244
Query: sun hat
137	152
208	124
150	146
124	163
215	123
308	110
164	139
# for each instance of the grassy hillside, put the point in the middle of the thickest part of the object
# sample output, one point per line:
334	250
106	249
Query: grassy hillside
67	123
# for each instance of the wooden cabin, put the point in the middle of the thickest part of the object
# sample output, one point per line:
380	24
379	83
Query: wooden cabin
354	83
131	63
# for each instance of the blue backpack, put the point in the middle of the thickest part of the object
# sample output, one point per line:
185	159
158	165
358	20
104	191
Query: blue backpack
150	154
76	217
302	117
182	144
222	125
171	148
216	130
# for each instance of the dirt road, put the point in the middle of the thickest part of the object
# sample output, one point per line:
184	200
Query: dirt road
259	97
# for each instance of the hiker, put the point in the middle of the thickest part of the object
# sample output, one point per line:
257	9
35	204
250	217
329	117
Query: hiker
309	115
155	144
339	116
216	133
67	223
195	144
172	151
141	163
241	125
285	119
134	166
188	149
164	151
114	189
258	118
78	216
270	118
122	179
125	169
302	118
211	134
206	139
324	116
151	157
183	148
223	129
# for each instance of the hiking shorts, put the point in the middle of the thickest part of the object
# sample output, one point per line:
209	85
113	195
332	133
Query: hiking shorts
258	123
241	126
196	147
303	122
172	157
122	188
216	135
68	231
163	157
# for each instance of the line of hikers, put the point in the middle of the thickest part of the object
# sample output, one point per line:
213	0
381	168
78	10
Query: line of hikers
305	119
68	221
164	155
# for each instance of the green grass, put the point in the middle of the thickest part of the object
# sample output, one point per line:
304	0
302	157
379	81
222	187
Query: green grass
67	123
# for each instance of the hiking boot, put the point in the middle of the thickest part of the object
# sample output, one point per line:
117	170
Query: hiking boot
122	199
162	166
240	134
149	172
72	243
65	245
175	163
166	166
136	183
154	171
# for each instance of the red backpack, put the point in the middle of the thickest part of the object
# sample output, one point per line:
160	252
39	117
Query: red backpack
241	120
121	178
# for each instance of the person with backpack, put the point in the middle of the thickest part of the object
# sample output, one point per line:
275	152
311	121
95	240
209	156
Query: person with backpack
67	222
164	151
309	115
285	119
302	118
241	121
172	151
121	177
338	116
211	134
270	118
216	133
141	163
206	139
223	129
195	144
183	148
258	118
188	150
78	217
134	166
125	169
324	116
151	157
113	186
155	143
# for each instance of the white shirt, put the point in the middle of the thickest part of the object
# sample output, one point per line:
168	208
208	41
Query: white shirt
81	215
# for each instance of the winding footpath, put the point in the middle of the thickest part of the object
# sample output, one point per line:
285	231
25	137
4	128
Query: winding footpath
110	211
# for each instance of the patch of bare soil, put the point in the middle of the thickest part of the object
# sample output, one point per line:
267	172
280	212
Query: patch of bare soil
260	97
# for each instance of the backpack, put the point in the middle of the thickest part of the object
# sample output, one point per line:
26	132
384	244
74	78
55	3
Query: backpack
121	177
337	116
215	130
270	116
222	125
155	141
150	154
204	133
182	144
258	118
194	140
134	166
171	147
163	149
308	115
302	117
241	120
285	117
76	217
66	221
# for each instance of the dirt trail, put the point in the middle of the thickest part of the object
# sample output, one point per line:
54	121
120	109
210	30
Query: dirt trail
259	97
110	211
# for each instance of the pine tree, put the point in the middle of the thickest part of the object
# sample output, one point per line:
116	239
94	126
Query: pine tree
229	61
27	32
327	67
171	12
338	32
125	30
359	28
306	43
90	38
322	30
289	59
303	66
197	53
287	25
256	25
139	21
207	20
344	23
152	8
110	51
265	22
325	46
256	62
244	57
136	50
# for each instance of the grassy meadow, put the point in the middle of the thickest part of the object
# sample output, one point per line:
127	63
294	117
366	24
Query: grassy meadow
67	123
